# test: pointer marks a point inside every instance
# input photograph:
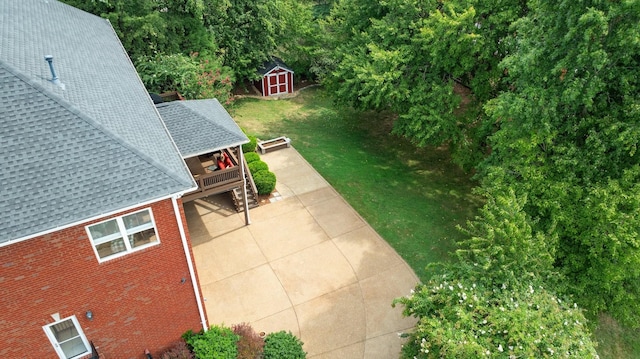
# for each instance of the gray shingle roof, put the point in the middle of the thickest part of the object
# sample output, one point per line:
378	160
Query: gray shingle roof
94	147
272	64
200	126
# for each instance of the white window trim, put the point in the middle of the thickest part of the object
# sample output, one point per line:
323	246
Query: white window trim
124	234
56	345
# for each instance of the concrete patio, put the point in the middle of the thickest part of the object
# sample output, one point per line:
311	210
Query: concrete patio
308	264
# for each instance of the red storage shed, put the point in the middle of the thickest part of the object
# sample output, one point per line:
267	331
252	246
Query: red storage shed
277	78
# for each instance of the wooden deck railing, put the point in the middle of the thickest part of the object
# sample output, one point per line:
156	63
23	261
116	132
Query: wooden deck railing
215	182
218	178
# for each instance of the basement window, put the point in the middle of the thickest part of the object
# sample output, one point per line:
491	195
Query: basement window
122	235
67	338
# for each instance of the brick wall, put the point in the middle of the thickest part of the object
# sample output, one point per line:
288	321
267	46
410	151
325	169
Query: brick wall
138	301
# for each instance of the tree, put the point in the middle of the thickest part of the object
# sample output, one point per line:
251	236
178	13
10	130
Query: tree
150	27
298	42
194	77
501	242
462	317
168	43
417	59
568	136
245	31
242	33
499	299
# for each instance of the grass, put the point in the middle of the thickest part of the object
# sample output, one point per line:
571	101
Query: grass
413	198
615	341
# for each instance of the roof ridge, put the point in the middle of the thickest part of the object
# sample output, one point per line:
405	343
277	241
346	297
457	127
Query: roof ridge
204	116
183	104
74	110
164	125
186	102
200	126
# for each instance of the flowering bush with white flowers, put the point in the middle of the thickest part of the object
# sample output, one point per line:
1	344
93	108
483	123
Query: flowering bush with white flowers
462	318
494	301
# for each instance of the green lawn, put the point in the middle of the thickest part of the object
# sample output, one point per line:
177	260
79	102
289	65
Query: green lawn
413	198
616	342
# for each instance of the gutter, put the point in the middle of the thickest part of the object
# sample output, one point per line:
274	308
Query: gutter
187	254
96	217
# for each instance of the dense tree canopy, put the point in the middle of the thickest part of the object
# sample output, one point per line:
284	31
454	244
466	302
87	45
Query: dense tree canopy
246	32
463	317
407	56
568	139
239	35
151	27
542	98
192	76
494	302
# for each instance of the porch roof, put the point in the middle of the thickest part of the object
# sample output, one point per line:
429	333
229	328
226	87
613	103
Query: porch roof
200	126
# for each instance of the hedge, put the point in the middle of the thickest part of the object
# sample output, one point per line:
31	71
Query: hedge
251	157
251	145
215	343
257	166
265	181
283	345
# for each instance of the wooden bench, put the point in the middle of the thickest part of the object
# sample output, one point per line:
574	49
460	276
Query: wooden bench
274	144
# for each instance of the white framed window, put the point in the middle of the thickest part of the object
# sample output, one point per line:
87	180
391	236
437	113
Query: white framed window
67	338
119	236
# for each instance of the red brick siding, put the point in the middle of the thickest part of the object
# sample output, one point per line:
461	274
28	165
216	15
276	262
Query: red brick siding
138	300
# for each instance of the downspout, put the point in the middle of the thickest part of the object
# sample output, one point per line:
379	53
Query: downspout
187	253
247	220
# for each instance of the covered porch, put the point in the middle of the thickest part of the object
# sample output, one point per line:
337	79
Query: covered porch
211	145
212	179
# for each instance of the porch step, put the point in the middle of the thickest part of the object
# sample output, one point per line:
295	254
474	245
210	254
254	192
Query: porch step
252	200
252	192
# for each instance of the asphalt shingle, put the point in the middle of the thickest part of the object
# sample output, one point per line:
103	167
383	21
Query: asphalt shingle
200	126
95	146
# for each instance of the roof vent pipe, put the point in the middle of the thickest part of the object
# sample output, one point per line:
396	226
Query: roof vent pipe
49	59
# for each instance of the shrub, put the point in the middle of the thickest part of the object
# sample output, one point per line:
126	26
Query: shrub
188	336
251	157
250	343
178	351
283	345
251	145
216	343
192	76
463	316
257	166
265	181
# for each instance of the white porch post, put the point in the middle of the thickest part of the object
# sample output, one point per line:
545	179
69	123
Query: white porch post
247	220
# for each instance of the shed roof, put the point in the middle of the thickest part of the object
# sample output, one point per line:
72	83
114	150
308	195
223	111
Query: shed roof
272	64
89	148
200	126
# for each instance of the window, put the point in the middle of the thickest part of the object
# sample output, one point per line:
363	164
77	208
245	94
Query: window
122	235
67	338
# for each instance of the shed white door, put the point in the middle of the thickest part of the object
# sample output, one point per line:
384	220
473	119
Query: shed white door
277	81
